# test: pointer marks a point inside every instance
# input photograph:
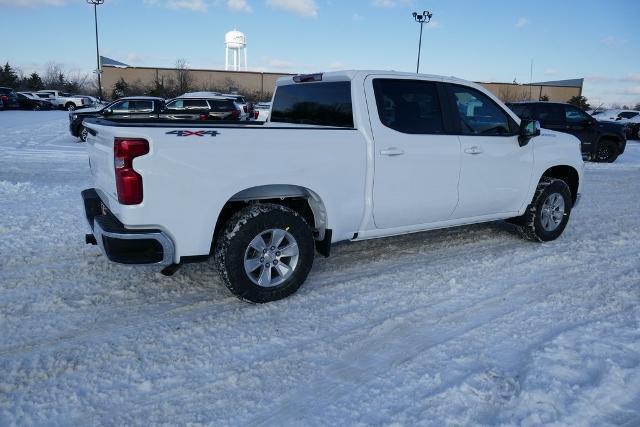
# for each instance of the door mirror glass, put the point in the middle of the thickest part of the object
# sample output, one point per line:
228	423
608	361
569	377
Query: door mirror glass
107	111
528	130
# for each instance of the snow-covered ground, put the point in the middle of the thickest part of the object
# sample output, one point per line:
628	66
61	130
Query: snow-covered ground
464	326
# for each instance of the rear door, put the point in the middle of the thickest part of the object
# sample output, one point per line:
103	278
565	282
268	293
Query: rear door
142	109
495	170
185	109
417	161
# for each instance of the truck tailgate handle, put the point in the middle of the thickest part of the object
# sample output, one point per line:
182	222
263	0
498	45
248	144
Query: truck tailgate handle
391	151
473	150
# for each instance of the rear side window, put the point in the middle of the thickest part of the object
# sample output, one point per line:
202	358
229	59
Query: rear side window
142	106
574	115
121	107
627	115
408	106
522	111
323	104
478	114
221	105
550	113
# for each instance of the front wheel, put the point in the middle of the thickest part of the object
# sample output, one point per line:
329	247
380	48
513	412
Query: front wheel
546	217
83	133
264	253
70	106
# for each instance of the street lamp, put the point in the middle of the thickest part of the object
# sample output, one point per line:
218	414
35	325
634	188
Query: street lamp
423	17
95	4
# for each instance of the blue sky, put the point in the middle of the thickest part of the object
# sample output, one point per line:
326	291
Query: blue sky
487	40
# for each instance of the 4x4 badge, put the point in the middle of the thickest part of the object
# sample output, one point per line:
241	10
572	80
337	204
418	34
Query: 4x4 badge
193	132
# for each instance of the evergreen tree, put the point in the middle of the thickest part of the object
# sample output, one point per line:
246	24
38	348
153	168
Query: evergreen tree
33	82
8	76
580	102
120	89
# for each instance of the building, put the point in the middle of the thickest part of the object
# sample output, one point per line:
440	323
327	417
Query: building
260	84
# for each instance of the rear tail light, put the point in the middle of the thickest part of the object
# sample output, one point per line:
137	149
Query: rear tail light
128	181
204	116
5	98
235	114
256	114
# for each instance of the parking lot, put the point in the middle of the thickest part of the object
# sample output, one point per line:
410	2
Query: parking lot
468	326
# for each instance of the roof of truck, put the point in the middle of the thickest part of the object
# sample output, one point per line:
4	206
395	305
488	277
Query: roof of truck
344	75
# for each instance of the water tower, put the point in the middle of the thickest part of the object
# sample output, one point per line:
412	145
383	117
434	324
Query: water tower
235	43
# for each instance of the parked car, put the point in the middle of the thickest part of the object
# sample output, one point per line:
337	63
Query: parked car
27	101
129	108
600	141
93	101
261	111
200	108
350	155
629	119
246	108
64	100
9	97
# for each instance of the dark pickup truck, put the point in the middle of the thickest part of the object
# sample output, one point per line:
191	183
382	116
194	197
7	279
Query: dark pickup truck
129	108
600	141
145	107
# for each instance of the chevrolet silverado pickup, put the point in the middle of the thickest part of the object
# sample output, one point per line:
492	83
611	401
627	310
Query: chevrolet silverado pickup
348	155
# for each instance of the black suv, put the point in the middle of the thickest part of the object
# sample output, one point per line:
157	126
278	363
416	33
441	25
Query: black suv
600	141
9	97
205	108
129	108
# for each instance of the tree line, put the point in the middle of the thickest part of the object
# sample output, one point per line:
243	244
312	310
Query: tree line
54	77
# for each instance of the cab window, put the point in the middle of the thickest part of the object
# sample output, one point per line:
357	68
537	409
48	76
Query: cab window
408	106
478	114
550	113
575	115
121	107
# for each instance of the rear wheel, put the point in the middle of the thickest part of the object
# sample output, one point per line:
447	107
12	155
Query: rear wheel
607	152
546	217
264	253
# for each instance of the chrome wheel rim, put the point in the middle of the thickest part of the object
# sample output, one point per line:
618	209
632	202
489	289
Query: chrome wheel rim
83	134
552	212
604	152
271	257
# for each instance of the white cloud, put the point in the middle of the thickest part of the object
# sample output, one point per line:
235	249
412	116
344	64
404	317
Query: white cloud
306	8
280	64
433	25
613	41
632	78
135	58
357	17
551	72
194	5
390	3
522	22
337	65
634	90
239	6
31	3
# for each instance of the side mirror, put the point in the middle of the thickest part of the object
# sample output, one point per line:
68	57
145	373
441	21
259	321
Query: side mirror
107	112
528	129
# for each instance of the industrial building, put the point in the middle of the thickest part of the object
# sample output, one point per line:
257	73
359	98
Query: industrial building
261	84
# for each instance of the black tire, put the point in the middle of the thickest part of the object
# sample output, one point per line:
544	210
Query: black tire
607	152
70	106
531	223
233	244
82	133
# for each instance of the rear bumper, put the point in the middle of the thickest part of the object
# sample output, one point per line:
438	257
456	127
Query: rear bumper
122	245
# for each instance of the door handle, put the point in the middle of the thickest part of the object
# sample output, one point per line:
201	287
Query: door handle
391	151
473	150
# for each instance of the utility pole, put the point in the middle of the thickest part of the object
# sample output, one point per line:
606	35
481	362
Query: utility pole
425	16
95	4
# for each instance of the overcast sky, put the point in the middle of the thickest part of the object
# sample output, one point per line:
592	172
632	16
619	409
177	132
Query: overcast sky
490	40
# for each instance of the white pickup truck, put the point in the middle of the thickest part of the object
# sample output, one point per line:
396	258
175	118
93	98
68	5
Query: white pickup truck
65	100
349	155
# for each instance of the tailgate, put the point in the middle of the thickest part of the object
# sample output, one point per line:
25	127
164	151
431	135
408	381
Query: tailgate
100	149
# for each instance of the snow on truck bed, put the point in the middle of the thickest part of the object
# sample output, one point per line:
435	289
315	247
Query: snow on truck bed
471	325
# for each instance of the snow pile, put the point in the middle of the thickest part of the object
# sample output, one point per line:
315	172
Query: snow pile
463	326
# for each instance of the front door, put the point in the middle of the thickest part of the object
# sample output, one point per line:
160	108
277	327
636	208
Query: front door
495	172
417	164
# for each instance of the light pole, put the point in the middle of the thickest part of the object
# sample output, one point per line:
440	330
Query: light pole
423	17
95	4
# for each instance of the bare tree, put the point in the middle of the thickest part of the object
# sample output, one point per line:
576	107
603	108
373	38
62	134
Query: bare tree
184	77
